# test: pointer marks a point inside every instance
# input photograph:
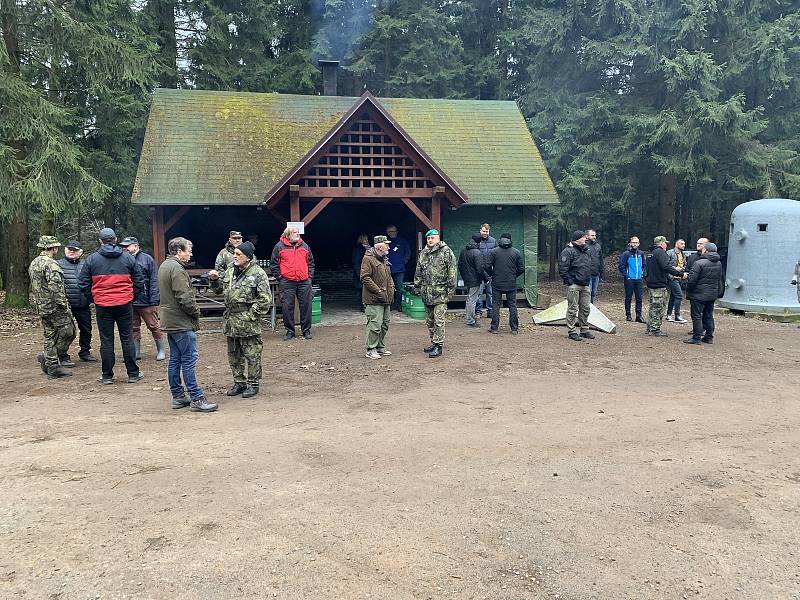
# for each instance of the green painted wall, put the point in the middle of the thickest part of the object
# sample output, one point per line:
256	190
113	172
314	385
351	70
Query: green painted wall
458	226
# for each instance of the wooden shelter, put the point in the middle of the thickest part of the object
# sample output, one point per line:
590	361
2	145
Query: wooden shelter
214	161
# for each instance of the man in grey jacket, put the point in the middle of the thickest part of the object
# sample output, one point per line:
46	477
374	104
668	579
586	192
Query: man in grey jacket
678	260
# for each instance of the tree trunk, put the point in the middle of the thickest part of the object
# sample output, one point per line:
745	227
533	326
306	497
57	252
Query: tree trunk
18	284
667	191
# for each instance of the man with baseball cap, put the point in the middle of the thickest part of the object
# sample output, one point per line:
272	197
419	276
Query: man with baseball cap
377	294
435	283
112	279
575	268
657	283
47	291
225	256
72	265
145	308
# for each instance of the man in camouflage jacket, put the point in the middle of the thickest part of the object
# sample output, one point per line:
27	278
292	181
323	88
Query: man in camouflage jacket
247	299
225	256
435	283
47	291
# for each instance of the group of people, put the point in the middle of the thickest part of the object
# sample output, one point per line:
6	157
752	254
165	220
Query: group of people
665	272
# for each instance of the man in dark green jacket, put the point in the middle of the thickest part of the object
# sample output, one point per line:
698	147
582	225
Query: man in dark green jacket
180	319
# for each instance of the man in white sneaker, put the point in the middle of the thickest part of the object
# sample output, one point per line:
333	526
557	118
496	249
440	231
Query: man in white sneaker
377	295
678	260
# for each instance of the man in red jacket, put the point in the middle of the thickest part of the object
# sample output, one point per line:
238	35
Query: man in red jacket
293	264
112	280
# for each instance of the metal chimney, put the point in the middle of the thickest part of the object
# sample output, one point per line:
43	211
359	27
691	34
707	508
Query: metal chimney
330	70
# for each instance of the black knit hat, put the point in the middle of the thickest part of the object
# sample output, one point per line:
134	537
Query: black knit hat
578	234
477	238
506	235
247	249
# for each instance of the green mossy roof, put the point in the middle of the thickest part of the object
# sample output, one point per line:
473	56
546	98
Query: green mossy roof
203	147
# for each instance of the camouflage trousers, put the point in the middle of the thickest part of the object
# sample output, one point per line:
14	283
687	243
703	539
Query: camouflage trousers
658	308
244	357
59	333
434	319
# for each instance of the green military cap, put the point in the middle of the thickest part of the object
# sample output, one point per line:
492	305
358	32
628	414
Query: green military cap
431	232
660	239
380	239
235	234
48	241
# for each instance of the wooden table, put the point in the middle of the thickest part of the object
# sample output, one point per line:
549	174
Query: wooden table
208	300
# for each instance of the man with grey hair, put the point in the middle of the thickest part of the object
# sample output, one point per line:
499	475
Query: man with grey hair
377	295
180	320
292	263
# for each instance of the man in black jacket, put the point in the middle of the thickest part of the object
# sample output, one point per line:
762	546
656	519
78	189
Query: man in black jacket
705	284
470	265
72	265
575	268
504	266
145	308
595	251
657	281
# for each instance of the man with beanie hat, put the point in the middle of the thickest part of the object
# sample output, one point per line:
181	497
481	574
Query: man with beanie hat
505	264
575	268
471	268
705	284
248	298
112	280
657	269
72	265
47	291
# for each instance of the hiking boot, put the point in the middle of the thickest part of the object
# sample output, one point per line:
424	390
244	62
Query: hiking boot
307	335
160	355
436	352
429	349
575	336
250	391
135	378
66	361
87	357
373	354
659	333
40	358
202	405
384	351
289	335
180	402
236	389
691	340
58	372
707	340
587	334
639	320
106	380
680	320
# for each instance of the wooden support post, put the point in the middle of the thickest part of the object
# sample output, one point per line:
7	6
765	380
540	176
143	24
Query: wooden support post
175	218
294	202
417	212
320	206
436	212
159	248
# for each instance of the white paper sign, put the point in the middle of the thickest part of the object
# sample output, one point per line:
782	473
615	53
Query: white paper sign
301	227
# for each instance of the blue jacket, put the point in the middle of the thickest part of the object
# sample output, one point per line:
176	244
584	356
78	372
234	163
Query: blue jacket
632	264
399	253
487	246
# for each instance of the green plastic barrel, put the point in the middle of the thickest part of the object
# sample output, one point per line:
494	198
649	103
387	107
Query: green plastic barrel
316	308
416	312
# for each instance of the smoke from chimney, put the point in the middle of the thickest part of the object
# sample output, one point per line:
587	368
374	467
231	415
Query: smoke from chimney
330	71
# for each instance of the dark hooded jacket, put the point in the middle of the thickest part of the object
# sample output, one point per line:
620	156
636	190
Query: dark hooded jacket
149	269
470	265
595	251
72	271
658	268
706	281
575	265
504	265
111	277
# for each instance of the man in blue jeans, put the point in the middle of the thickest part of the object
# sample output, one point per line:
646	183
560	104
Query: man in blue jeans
399	255
486	245
180	319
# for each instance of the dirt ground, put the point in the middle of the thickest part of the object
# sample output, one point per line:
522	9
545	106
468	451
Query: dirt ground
512	467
